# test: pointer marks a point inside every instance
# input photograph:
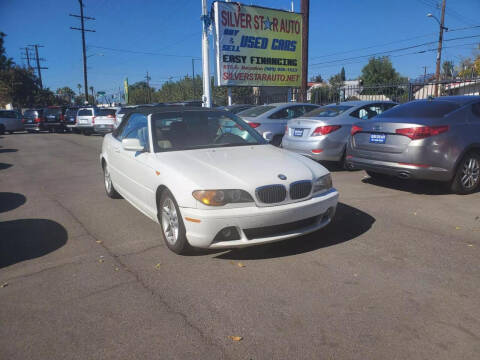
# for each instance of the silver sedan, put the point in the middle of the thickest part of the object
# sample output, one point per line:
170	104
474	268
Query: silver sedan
322	134
270	120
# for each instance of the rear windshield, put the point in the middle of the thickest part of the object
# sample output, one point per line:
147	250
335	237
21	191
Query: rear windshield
421	109
30	113
71	112
85	112
327	111
8	114
56	111
256	111
106	112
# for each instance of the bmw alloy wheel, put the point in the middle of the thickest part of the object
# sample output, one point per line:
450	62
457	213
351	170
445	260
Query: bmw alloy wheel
108	180
170	221
470	173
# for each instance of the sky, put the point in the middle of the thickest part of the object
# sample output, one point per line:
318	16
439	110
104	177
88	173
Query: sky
133	37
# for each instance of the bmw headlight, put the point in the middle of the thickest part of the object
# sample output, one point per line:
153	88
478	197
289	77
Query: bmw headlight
222	197
322	184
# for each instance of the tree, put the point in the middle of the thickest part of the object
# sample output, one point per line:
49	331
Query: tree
317	78
66	93
5	62
380	71
447	69
342	74
79	87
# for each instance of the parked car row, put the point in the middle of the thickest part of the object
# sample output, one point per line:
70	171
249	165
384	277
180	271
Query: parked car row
212	180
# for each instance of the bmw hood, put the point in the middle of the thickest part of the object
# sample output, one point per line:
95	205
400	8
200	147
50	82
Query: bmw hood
242	167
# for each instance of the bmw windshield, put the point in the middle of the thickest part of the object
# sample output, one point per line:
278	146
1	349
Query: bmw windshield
201	129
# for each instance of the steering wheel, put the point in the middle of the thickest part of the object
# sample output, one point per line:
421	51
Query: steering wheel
229	138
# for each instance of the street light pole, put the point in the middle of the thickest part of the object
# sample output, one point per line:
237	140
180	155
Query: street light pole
440	43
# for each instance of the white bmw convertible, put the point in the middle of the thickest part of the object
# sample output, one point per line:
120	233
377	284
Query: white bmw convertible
211	181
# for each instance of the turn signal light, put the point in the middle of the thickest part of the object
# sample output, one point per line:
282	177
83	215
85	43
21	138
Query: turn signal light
355	129
38	120
324	130
254	125
422	132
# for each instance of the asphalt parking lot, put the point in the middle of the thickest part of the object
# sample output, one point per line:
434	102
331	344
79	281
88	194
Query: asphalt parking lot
395	276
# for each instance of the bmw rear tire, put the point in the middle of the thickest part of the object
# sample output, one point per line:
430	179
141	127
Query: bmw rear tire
109	188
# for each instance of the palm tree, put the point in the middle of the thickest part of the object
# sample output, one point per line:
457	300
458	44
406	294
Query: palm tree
93	95
79	86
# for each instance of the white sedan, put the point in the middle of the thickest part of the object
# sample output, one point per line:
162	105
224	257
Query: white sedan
212	181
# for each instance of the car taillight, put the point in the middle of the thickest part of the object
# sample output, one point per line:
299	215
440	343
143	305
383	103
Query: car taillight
23	120
62	117
254	125
286	130
422	132
355	129
324	130
93	119
38	120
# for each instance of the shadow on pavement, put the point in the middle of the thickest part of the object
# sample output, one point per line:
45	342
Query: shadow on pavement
348	224
333	166
4	166
8	150
419	187
26	239
10	201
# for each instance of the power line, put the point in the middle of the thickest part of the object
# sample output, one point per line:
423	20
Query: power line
82	29
399	55
392	42
394	50
142	52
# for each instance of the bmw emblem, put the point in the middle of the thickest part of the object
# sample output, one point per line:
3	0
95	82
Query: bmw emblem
282	177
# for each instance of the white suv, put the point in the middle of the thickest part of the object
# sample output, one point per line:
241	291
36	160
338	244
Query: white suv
86	119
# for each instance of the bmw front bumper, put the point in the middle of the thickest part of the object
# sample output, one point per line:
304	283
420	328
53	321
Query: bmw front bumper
318	210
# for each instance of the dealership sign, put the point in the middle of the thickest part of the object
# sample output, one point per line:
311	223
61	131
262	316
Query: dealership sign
257	46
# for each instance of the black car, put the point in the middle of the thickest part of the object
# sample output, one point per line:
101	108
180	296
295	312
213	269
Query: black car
54	118
71	117
33	120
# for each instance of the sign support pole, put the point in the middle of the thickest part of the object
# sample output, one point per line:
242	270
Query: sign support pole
305	9
207	99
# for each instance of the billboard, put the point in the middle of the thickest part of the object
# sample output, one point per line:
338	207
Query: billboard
257	46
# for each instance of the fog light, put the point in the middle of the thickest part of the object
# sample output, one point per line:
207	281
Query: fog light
328	215
227	234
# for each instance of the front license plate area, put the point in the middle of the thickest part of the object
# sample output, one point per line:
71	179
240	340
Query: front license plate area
297	132
378	138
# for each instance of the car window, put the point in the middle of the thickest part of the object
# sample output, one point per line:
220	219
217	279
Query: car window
106	112
368	111
71	112
53	111
256	111
85	112
136	128
8	114
387	106
328	111
476	110
200	129
309	108
421	109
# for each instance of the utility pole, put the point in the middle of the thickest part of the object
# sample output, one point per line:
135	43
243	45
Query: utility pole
424	74
37	60
27	57
207	98
305	10
82	29
148	97
440	41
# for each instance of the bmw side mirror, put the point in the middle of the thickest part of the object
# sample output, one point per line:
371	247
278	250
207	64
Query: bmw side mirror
132	145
